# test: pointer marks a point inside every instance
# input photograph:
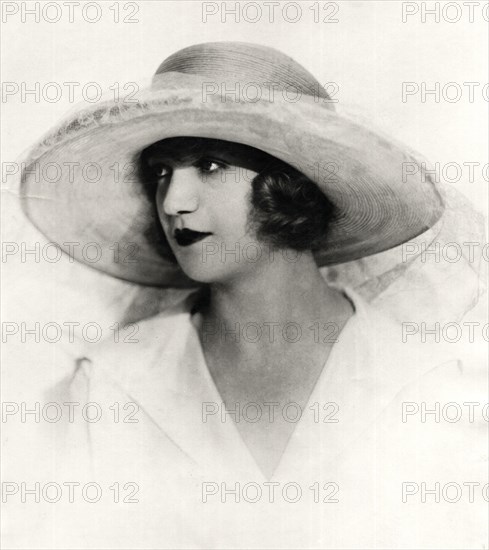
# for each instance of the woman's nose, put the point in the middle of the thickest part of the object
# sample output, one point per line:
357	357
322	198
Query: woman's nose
182	192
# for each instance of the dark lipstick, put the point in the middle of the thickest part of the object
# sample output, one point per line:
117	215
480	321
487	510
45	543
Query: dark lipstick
186	237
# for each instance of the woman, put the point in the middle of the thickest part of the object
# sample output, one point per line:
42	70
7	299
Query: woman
264	411
252	290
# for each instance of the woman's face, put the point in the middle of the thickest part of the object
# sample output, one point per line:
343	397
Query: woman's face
203	203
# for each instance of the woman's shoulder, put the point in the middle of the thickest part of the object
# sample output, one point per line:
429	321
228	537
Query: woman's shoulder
394	354
435	392
155	341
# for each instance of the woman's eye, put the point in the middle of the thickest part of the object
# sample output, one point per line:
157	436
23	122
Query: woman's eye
209	165
161	171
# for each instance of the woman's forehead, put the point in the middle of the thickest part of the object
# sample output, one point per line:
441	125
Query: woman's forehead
186	150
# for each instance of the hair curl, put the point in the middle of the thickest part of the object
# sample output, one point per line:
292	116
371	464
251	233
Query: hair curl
289	210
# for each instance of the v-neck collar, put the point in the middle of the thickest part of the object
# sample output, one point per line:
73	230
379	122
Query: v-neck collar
233	431
172	384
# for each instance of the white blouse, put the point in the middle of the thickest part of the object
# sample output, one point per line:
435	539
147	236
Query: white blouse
367	466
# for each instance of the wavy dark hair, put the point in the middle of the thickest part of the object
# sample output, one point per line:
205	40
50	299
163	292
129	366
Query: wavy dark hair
288	210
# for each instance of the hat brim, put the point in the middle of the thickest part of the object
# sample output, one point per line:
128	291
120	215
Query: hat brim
80	184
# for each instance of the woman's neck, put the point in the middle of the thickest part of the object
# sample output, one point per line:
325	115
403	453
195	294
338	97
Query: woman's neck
278	292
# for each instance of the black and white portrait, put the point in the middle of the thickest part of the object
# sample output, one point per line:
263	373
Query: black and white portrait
244	263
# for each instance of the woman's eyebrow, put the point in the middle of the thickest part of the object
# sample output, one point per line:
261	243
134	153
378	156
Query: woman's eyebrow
234	158
173	160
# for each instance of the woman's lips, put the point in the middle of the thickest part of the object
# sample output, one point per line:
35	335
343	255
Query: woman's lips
186	237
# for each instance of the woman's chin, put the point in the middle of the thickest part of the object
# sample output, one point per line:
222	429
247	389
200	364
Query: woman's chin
207	273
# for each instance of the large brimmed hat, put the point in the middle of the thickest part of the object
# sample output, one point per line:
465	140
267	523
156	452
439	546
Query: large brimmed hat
81	184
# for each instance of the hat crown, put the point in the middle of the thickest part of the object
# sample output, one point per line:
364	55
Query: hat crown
243	63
